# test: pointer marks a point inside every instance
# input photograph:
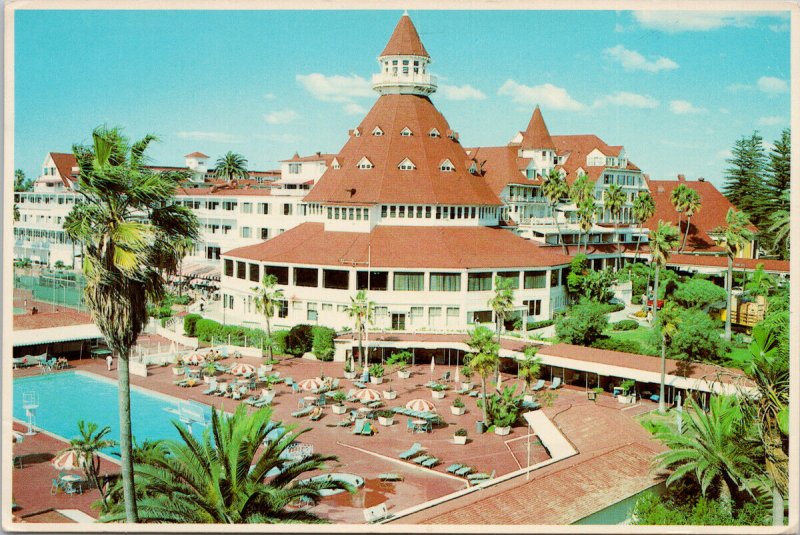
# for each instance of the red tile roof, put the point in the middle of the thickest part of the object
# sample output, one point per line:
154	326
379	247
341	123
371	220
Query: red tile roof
536	136
403	247
196	155
385	183
405	40
223	192
64	163
47	319
328	158
501	167
776	266
578	147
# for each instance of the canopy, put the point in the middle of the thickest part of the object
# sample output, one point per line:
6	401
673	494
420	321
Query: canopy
51	335
310	384
421	405
241	368
67	460
195	359
367	395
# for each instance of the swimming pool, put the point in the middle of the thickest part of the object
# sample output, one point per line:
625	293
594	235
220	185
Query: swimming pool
65	398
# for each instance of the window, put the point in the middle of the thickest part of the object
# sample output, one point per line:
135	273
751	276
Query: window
350	214
241	267
377	131
453	312
336	279
406	132
280	272
283	308
306	277
341	308
438	212
408	282
445	282
481	316
384	209
263	208
534	306
447	165
406	165
419	212
372	280
336	213
427	212
415	312
229	205
535	279
434	133
296	305
287	209
254	273
311	311
399	320
228	267
264	233
401	211
434	312
511	277
245	232
364	163
327	307
381	312
247	208
478	282
358	214
393	211
294	168
554	276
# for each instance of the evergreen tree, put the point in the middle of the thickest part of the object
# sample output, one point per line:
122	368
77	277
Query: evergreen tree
745	176
775	197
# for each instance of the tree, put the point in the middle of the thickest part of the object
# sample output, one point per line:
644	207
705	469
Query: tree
128	225
761	282
709	448
583	324
21	183
643	209
589	283
587	211
86	447
698	293
780	228
691	205
267	298
678	200
502	302
183	247
667	327
362	310
776	190
530	367
555	188
484	359
697	339
219	478
614	200
662	242
744	186
232	167
732	236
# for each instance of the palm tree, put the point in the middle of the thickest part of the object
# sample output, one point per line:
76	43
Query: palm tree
220	478
555	188
485	358
709	448
502	302
128	225
643	209
662	242
362	310
86	447
768	371
732	236
678	200
232	167
761	282
581	189
530	367
613	201
183	247
669	321
691	205
266	299
587	211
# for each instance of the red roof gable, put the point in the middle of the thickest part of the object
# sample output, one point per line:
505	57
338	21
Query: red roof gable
501	167
196	155
578	147
64	163
405	40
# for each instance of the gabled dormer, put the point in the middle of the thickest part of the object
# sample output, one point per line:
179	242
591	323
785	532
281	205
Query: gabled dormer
434	133
335	164
452	134
406	165
406	132
447	166
364	163
356	132
595	158
377	131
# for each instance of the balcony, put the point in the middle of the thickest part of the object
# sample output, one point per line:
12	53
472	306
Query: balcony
425	83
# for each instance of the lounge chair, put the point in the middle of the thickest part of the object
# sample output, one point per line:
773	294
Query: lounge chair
539	385
532	405
180	382
415	448
316	414
390	476
481	476
445	377
420	459
463	471
376	514
359	426
556	383
367	429
359	384
266	398
453	467
303	412
473	394
212	387
409	425
462	391
430	463
222	388
347	422
295	388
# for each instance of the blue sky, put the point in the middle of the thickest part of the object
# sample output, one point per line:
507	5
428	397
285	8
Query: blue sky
676	89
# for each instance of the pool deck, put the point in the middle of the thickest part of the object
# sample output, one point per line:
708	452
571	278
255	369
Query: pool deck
595	428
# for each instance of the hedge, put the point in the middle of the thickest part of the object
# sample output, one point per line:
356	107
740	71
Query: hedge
190	324
539	324
625	325
211	331
615	307
613	344
322	342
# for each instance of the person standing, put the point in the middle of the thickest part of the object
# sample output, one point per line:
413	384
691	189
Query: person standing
109	361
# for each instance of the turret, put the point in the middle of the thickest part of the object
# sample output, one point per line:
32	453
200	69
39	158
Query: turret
404	63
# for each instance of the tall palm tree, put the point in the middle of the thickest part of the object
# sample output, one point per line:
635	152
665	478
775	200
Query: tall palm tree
587	211
732	236
678	200
220	478
530	367
267	298
709	448
501	303
692	203
183	247
555	188
362	310
86	447
643	209
613	201
761	282
128	224
484	360
662	242
669	321
231	167
580	190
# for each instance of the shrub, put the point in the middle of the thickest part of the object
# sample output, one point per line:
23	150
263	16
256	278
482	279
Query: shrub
322	342
698	293
626	325
636	299
190	324
399	360
457	403
584	324
615	307
279	342
697	338
300	340
613	344
532	325
460	432
207	329
376	370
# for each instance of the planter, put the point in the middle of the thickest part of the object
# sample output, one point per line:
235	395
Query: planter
459	439
206	379
349	375
528	398
177	371
403	374
386	421
502	431
625	399
389	394
458	411
267	367
338	409
376	380
437	395
466	386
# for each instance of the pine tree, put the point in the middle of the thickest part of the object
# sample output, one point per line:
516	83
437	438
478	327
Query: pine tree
745	176
776	184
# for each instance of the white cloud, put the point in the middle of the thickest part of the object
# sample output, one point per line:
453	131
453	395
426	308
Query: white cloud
269	96
217	137
280	116
684	107
735	88
771	120
626	100
632	60
547	95
687	21
335	88
772	85
464	92
351	108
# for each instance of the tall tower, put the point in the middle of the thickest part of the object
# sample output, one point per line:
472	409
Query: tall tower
404	63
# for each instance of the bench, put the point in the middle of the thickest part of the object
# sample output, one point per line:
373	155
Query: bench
376	514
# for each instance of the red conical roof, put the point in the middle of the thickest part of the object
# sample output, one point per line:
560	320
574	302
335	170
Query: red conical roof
405	40
536	136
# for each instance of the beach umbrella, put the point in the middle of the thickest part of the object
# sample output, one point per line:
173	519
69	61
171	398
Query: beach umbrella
309	384
421	405
67	460
367	395
195	359
241	368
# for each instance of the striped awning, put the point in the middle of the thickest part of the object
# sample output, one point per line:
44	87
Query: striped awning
52	335
201	271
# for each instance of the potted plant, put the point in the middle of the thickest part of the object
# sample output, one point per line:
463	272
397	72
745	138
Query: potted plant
268	363
349	372
338	398
503	420
389	394
437	391
385	418
466	377
529	369
593	393
458	408
178	368
627	396
460	436
400	362
376	374
209	370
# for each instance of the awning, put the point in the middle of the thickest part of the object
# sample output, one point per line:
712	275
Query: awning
55	334
201	271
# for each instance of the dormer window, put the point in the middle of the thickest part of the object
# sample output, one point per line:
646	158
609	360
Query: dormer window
406	132
357	133
406	165
447	166
434	133
335	164
364	163
473	168
377	131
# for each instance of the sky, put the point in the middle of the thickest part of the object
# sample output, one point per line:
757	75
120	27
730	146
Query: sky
676	89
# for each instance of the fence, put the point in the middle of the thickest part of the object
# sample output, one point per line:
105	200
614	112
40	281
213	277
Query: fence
63	289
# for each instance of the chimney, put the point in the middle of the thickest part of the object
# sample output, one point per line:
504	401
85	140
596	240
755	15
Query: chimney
319	153
701	179
681	178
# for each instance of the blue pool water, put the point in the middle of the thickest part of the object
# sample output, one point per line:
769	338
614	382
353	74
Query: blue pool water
65	398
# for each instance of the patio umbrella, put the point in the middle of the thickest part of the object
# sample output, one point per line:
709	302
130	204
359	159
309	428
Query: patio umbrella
309	384
240	368
67	460
367	395
195	359
421	405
